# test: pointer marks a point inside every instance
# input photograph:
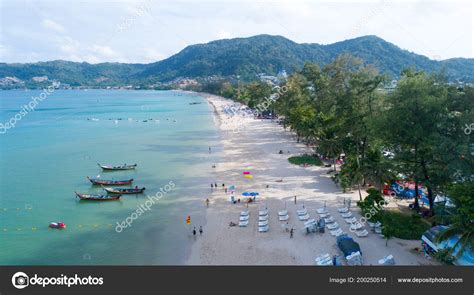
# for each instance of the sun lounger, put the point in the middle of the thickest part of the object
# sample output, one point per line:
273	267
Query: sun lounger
329	220
323	260
333	226
244	218
324	215
244	213
356	226
371	224
310	222
362	233
343	210
322	210
337	232
243	223
283	218
350	220
346	215
378	230
283	213
322	257
303	217
262	218
302	212
263	229
263	212
263	223
354	258
387	260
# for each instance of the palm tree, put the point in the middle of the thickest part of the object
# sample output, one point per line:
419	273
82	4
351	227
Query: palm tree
462	195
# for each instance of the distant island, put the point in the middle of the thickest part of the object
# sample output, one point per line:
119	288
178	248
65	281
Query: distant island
240	59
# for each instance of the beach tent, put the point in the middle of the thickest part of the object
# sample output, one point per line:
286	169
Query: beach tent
443	199
430	238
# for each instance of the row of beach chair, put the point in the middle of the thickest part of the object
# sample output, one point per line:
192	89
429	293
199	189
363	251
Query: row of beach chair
263	221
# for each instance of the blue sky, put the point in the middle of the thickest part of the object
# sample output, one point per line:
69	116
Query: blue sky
145	31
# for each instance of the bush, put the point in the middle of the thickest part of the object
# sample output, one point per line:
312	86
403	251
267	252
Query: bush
305	159
371	205
404	226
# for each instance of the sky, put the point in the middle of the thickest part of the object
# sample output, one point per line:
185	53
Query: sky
145	31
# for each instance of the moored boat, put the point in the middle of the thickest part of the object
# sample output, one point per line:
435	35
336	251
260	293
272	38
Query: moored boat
124	191
97	181
57	225
117	168
90	197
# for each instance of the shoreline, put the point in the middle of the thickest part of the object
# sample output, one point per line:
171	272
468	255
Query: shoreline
254	147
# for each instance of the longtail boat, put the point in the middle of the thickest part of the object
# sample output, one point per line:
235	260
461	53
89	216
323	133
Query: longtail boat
89	197
117	168
124	191
97	181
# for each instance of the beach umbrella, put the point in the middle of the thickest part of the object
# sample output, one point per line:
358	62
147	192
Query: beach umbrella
254	194
249	176
246	172
246	194
232	187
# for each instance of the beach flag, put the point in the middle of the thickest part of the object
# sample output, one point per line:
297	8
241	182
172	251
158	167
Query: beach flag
188	220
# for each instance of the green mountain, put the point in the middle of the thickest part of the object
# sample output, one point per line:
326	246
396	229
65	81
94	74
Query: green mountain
245	57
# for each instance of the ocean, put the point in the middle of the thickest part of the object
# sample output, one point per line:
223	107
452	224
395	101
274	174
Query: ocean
49	152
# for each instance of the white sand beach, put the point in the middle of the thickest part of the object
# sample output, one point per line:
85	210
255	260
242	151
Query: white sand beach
255	148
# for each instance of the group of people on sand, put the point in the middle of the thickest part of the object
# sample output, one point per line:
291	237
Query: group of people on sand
200	231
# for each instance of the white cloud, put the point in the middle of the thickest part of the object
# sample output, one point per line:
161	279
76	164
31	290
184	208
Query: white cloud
52	25
223	35
104	51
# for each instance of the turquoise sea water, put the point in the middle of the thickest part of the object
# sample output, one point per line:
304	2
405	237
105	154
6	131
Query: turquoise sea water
49	153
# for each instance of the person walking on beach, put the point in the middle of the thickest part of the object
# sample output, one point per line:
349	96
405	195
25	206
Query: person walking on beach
207	203
291	232
209	150
225	190
295	200
200	230
194	231
212	186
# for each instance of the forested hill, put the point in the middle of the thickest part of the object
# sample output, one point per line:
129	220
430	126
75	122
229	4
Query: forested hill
245	57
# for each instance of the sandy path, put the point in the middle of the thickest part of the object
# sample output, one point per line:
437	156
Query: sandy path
255	148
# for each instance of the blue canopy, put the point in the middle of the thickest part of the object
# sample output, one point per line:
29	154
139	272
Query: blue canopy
248	194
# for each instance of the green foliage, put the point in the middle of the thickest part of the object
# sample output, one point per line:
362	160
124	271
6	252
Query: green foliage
372	205
445	256
305	159
241	58
462	222
404	226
